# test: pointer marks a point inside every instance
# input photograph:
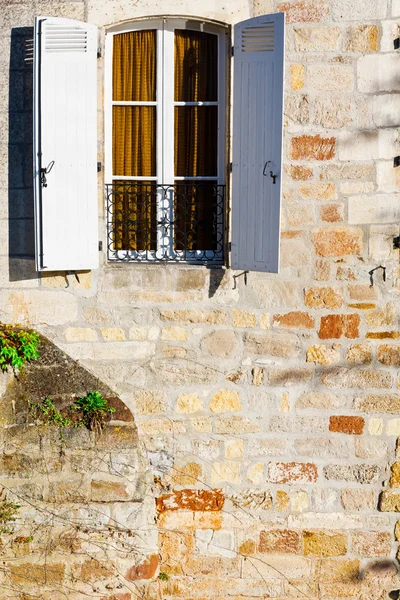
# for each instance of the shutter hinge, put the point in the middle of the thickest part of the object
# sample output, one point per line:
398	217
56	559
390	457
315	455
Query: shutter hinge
230	167
396	43
99	53
233	51
99	167
100	246
396	161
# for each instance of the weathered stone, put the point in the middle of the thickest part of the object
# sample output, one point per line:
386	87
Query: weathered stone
289	377
298	172
303	11
174	334
150	403
361	38
319	400
296	77
393	427
255	473
292	472
215	317
220	343
364	474
234	448
357	499
332	112
378	403
337	326
109	491
395	476
330	78
272	294
145	570
350	425
296	320
347	171
32	573
323	297
389	355
323	355
188	403
297	110
371	543
272	343
228	471
299	214
359	10
267	447
340	570
243	318
325	544
321	447
80	334
338	241
232	425
314	39
308	147
198	500
389	502
251	498
225	401
112	334
382	335
375	426
279	541
181	372
363	379
332	213
359	354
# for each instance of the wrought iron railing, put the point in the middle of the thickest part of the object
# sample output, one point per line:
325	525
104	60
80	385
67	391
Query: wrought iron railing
182	222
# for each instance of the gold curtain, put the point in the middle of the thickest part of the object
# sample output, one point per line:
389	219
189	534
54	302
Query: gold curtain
134	138
196	130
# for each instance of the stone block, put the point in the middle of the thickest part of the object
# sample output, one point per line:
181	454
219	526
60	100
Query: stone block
292	472
220	343
375	426
354	499
363	379
377	73
319	400
338	241
234	449
361	38
299	215
371	543
330	78
188	403
236	425
370	448
243	318
225	401
112	334
297	77
324	520
319	447
324	543
267	447
337	326
393	427
80	334
323	355
188	317
38	307
317	39
312	147
31	574
272	294
255	474
364	474
297	109
150	402
299	172
323	297
339	570
347	171
349	425
383	316
373	144
280	541
389	502
299	11
109	491
294	252
359	10
289	377
389	355
272	343
228	471
380	208
378	403
294	320
174	334
332	213
359	354
194	500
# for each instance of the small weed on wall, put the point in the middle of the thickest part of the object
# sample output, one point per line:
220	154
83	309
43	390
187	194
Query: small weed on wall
17	346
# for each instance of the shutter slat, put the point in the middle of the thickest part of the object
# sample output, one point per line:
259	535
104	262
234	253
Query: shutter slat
65	131
257	138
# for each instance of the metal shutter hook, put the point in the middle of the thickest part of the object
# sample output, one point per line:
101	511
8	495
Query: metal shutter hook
45	171
270	173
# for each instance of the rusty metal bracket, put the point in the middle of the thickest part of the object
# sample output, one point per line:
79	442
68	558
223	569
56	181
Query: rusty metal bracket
239	275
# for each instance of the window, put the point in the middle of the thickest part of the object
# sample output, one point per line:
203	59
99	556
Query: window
165	143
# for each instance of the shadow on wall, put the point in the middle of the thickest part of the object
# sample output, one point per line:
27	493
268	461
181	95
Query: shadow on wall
20	150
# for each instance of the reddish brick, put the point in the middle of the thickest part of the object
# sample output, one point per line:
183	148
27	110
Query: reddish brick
338	241
354	425
145	570
332	213
280	541
299	173
337	326
297	320
292	472
312	147
201	500
299	11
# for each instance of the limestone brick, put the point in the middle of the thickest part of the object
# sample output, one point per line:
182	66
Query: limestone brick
201	424
255	473
323	355
382	316
375	426
332	112
319	400
359	10
364	474
80	334
379	208
298	172
307	147
234	448
243	318
332	213
225	401
393	427
337	326
272	343
371	543
299	11
361	38
378	403
228	471
150	403
350	425
371	79
292	472
296	320
338	241
389	502
374	144
299	502
324	544
330	78
38	307
279	541
112	334
299	214
389	355
359	354
215	317
347	171
174	334
294	252
354	499
220	344
363	379
323	297
297	110
318	191
370	448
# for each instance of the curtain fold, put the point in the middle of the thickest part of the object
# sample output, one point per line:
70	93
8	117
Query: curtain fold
134	138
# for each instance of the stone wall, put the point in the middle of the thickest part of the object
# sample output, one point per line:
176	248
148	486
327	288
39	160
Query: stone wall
269	411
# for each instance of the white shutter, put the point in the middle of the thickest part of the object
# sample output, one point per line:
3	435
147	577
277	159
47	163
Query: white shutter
257	142
65	131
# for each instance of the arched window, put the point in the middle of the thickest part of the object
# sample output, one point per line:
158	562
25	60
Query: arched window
165	140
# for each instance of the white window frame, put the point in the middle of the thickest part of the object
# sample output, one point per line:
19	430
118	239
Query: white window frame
165	105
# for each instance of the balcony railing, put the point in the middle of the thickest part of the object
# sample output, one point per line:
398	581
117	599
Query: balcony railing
182	222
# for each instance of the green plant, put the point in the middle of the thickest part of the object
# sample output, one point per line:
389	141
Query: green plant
163	576
17	346
8	514
94	409
50	413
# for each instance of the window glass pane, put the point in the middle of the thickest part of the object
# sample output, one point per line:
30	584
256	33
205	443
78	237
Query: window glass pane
196	135
134	66
134	215
198	209
195	66
134	141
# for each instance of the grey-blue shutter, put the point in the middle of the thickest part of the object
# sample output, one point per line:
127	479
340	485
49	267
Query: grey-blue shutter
257	142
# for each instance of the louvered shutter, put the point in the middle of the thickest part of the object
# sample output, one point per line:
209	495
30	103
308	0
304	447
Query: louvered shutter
257	143
65	140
